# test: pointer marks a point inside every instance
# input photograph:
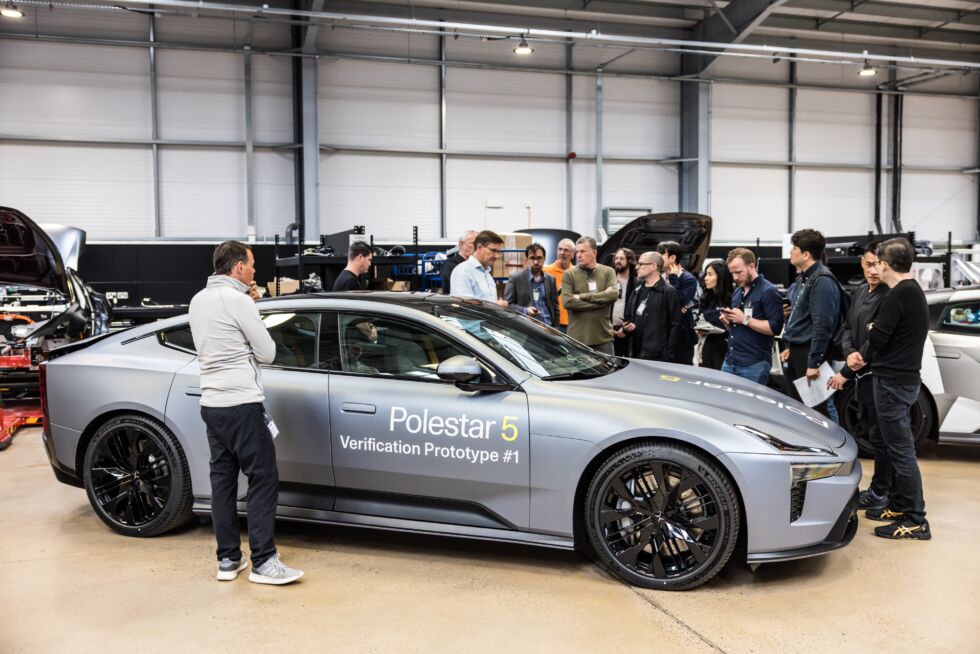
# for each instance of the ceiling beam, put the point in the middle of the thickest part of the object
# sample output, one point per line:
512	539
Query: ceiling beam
870	29
877	8
733	24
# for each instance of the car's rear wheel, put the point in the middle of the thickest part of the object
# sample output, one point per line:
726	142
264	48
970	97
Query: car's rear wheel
921	418
661	515
136	476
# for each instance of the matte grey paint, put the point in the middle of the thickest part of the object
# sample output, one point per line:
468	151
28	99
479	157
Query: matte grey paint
562	426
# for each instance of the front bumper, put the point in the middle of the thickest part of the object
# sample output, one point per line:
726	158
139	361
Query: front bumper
840	535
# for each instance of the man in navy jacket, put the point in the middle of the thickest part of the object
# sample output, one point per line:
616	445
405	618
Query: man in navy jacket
686	285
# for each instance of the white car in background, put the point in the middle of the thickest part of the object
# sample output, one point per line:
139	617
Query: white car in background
948	407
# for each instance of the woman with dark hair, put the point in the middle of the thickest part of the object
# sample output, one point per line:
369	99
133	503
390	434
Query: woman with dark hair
716	292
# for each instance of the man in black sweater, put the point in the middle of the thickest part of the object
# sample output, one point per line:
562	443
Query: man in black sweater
352	278
854	335
652	319
894	348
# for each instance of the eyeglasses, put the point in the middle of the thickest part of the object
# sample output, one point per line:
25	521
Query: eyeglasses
643	263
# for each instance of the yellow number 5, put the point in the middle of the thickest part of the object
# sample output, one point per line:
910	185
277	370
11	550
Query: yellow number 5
506	426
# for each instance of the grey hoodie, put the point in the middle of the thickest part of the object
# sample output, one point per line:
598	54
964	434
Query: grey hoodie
231	340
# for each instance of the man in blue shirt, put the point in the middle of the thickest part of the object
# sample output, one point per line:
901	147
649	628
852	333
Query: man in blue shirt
686	285
531	291
474	277
755	318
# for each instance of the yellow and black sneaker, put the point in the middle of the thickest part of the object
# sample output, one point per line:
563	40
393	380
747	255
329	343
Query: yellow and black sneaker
905	530
884	515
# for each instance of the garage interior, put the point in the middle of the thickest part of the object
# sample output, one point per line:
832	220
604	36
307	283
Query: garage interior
163	128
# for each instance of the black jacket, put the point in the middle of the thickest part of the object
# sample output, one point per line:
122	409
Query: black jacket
659	328
517	292
864	308
452	261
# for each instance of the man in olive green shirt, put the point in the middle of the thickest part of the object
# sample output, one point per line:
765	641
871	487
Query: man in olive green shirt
588	292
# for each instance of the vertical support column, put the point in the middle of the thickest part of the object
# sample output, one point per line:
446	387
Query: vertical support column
695	146
443	218
879	111
249	150
897	109
568	134
311	149
155	131
791	212
976	233
598	146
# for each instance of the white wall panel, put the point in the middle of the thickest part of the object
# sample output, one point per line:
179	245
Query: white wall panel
201	95
835	127
275	199
624	184
840	76
60	21
650	62
107	191
939	132
749	123
835	201
505	111
272	101
546	55
936	203
379	104
583	115
217	32
514	184
386	193
750	68
202	193
748	203
358	41
74	91
641	118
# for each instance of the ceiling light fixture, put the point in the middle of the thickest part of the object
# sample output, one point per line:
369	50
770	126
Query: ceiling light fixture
523	48
10	10
868	69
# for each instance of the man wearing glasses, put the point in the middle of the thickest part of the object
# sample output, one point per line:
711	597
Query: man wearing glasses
532	292
653	314
474	277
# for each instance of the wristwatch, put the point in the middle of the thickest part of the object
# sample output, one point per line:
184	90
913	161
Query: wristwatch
746	321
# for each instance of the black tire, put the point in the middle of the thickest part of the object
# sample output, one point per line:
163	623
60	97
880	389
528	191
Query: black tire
687	534
921	416
136	477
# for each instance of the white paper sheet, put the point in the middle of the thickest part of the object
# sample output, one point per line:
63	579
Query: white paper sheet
814	392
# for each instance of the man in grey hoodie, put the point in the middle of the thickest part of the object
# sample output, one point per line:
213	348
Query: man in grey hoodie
231	341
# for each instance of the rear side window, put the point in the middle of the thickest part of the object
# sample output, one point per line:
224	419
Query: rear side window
178	337
296	336
963	317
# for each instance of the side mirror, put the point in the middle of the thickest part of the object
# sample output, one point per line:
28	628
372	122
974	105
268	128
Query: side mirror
460	369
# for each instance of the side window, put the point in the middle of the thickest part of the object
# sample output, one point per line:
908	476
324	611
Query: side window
296	336
383	346
179	337
963	317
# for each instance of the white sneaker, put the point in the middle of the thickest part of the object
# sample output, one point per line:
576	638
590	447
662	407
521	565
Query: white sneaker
228	570
274	572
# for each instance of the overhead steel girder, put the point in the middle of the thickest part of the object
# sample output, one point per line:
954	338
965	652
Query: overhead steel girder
744	16
922	12
870	29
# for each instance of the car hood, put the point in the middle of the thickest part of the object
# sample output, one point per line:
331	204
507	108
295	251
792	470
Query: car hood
691	230
33	256
715	394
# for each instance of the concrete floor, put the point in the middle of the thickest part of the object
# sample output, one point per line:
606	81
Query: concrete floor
67	583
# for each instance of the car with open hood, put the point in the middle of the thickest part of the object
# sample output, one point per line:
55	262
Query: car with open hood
691	230
437	414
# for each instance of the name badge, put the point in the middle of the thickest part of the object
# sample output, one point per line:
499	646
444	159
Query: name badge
640	309
270	423
748	312
536	295
593	287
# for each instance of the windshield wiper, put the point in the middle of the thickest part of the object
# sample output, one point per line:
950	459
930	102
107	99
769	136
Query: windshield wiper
581	374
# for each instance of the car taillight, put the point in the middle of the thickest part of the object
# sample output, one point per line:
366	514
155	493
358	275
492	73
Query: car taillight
42	374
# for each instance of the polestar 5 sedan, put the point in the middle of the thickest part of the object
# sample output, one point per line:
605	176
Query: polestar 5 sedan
442	415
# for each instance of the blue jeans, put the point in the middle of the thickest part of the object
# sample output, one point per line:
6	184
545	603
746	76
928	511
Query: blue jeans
757	372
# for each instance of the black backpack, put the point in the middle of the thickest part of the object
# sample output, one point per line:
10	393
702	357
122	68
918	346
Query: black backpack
835	351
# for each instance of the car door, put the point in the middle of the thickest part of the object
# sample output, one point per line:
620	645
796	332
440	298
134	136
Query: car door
409	445
296	390
957	345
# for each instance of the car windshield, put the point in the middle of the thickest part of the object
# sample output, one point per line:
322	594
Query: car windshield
535	347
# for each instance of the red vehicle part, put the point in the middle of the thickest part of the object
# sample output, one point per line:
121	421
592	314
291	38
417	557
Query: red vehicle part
13	418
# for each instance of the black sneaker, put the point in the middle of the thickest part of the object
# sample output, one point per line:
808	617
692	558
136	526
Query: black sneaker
905	530
867	499
884	515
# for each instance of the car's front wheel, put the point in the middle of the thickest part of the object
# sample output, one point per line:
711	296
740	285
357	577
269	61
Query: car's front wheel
136	476
661	515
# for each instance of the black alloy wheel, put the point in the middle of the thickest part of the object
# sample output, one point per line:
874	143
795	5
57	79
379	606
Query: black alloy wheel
921	419
136	477
662	516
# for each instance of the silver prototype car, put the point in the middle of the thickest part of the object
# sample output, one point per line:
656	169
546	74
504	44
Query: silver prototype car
435	414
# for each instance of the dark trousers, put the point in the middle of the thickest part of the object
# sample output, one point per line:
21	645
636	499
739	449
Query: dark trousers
796	367
893	403
685	353
881	482
240	440
714	351
621	346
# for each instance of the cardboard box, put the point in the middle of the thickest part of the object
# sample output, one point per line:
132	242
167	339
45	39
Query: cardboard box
287	285
392	285
508	262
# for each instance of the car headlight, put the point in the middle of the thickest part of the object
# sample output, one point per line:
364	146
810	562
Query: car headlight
801	472
783	446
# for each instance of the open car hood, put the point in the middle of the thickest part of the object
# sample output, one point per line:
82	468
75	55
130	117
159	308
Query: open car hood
32	256
691	230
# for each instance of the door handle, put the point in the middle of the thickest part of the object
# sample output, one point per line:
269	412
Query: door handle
192	390
354	407
947	354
